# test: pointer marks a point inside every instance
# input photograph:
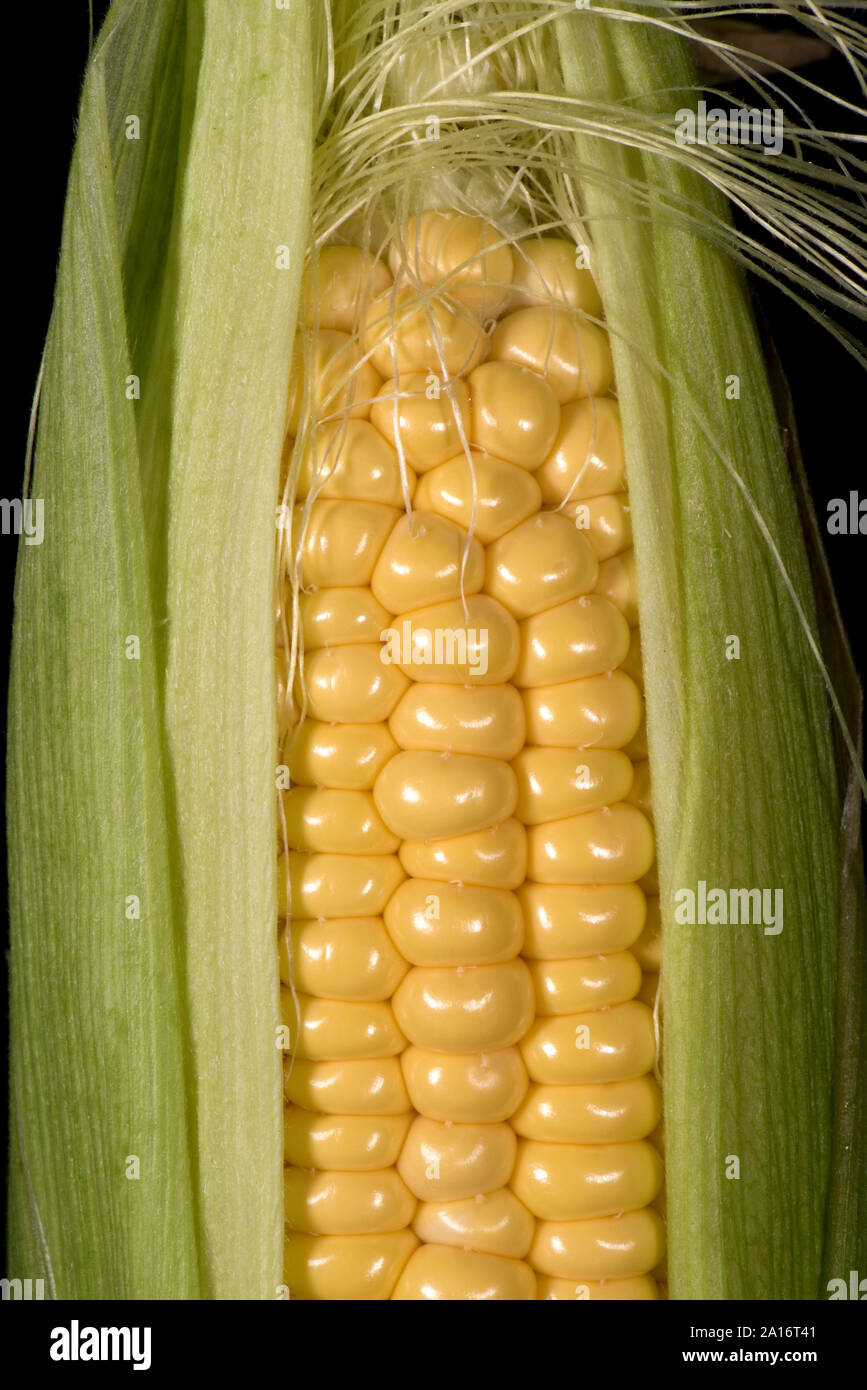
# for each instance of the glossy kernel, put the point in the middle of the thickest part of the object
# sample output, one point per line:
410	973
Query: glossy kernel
361	1268
495	1223
435	923
349	756
477	490
486	720
586	457
348	1143
442	1273
422	795
574	1182
340	958
447	1162
540	563
546	270
611	845
569	353
344	381
476	1008
346	1204
335	822
426	560
607	1045
470	1088
491	858
349	460
515	414
367	1086
553	783
404	332
466	258
591	1113
585	637
335	291
429	418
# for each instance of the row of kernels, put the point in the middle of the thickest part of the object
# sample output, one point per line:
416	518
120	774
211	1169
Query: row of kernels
452	805
347	1210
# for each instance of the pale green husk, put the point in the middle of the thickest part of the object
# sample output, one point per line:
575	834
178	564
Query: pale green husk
155	777
266	128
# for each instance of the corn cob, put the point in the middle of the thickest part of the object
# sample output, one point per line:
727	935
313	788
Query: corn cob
451	396
524	1089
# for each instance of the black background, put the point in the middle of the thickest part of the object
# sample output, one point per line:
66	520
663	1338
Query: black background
45	72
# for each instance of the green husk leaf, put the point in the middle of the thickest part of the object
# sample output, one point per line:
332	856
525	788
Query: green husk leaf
245	195
97	1026
155	777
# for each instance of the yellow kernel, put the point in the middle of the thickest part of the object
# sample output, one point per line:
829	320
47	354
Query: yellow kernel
460	642
404	333
574	1182
421	795
594	712
495	1223
430	419
611	845
350	460
331	1030
514	413
345	1268
648	947
587	982
348	1143
339	755
337	617
605	521
586	457
546	270
484	493
477	1008
335	822
346	1204
575	1049
486	719
426	560
440	1272
340	542
618	583
553	783
459	255
493	858
471	1088
360	1085
343	279
446	1162
570	354
637	748
350	684
639	793
435	923
343	381
632	665
570	919
540	563
607	1247
584	637
597	1113
338	885
340	958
